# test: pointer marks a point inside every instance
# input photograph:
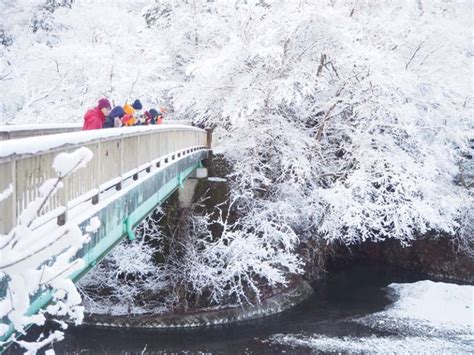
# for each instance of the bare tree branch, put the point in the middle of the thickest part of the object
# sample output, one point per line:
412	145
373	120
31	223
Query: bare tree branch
414	54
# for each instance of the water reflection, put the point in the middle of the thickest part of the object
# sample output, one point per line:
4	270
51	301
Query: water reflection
355	291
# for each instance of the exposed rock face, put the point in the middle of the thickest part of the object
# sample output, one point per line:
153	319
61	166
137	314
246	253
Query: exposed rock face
274	304
434	256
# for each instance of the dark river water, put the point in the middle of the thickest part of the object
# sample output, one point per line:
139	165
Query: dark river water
356	291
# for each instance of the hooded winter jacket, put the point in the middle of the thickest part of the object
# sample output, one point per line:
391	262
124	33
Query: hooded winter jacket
93	119
113	118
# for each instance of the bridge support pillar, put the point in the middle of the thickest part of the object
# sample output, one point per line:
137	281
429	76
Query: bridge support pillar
209	137
186	193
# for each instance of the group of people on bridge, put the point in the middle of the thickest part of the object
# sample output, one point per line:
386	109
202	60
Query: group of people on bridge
104	116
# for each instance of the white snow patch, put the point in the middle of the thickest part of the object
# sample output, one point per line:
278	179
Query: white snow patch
67	163
94	224
427	307
7	192
33	347
216	179
441	304
427	317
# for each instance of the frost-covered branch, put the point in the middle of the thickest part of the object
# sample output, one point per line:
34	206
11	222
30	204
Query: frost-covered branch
32	263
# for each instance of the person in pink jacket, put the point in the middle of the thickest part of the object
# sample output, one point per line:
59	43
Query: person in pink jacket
95	117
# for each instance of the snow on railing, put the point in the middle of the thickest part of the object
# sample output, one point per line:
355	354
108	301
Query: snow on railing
31	130
17	131
119	154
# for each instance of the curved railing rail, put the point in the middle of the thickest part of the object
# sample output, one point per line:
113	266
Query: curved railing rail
31	130
17	131
119	154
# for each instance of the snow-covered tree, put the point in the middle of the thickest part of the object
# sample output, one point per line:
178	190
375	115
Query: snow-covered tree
355	114
243	260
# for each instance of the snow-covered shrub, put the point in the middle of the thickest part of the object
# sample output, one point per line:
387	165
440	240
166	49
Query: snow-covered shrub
129	280
31	265
234	267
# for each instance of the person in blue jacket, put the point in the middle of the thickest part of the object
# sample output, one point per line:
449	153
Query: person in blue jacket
113	119
137	106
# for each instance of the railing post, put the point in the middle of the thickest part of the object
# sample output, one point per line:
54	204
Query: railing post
14	195
95	199
118	187
149	149
137	158
138	151
63	199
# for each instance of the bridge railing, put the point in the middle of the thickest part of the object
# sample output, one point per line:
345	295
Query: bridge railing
119	154
17	131
30	130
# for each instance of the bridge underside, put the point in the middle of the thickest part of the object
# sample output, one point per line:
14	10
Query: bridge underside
120	216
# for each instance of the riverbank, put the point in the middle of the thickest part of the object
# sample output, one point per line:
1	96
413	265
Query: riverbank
274	304
436	258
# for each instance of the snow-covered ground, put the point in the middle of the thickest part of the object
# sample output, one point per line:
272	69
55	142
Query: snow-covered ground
427	317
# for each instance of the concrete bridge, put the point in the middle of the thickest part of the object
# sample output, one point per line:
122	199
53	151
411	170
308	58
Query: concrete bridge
133	170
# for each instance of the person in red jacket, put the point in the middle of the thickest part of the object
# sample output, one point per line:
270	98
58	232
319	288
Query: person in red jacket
95	117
